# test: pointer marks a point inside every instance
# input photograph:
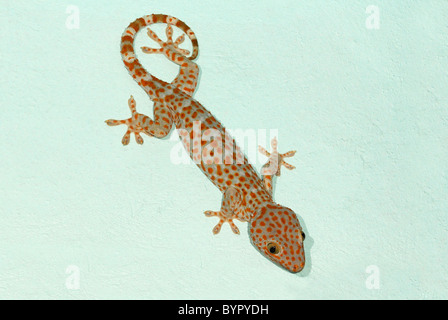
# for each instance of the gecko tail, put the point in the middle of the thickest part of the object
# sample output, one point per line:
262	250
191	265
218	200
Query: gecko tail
147	81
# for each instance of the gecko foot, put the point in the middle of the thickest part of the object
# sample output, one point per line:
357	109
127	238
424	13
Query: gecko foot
276	160
222	219
168	44
134	123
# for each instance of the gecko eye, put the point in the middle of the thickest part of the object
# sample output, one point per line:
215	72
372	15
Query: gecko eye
303	235
273	248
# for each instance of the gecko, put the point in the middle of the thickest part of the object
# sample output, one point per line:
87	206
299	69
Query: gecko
274	230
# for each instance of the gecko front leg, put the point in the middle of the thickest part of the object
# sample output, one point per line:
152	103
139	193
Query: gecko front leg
232	207
273	165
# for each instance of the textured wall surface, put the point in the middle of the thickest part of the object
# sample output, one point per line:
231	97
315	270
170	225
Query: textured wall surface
364	101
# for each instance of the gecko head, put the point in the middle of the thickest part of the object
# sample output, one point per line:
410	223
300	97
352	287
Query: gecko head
276	232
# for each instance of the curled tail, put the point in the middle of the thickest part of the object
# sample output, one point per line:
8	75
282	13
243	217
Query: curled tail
145	80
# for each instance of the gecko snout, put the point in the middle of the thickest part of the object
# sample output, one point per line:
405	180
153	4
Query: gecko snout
277	234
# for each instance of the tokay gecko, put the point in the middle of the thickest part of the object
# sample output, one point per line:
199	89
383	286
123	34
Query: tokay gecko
274	230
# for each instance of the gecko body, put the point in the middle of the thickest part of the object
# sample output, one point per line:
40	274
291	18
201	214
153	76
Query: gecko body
274	230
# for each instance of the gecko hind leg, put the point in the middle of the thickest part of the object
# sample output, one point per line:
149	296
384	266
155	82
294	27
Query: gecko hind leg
187	79
168	45
140	123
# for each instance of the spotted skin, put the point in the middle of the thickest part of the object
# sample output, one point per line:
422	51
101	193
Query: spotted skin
274	230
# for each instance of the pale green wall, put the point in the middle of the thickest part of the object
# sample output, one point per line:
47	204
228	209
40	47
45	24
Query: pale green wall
366	110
